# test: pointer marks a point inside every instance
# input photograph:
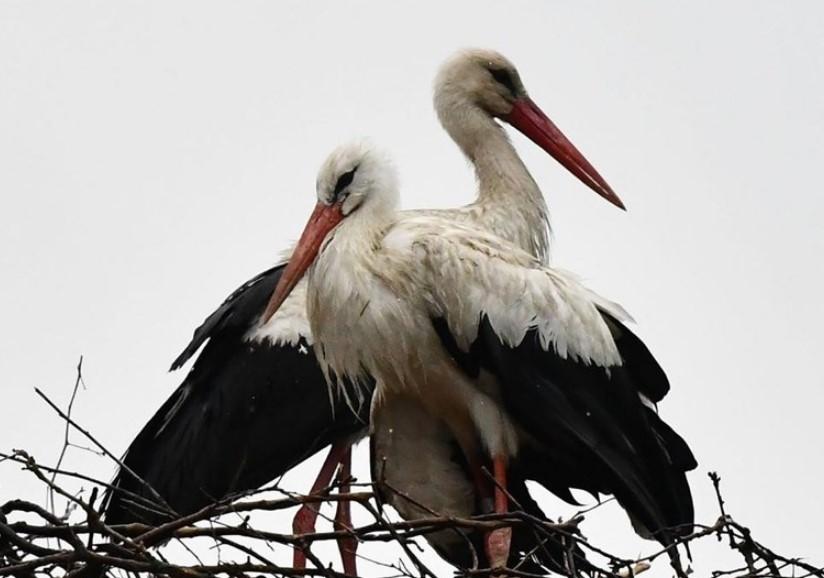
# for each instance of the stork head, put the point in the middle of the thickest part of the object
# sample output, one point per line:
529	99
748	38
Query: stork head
355	179
483	78
357	175
484	81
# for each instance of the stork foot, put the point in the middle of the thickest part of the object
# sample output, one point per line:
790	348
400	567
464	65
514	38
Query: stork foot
497	544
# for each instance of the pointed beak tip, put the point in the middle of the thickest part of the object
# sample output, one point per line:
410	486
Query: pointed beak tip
531	121
618	203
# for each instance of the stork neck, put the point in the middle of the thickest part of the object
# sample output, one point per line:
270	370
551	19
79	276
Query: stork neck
340	287
509	201
357	235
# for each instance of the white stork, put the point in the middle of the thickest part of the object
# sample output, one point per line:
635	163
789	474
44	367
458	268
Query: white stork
508	354
255	402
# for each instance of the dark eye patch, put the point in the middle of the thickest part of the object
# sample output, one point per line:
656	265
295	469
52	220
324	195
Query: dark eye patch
502	76
344	181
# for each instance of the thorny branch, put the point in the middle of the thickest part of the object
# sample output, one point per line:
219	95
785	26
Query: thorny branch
37	542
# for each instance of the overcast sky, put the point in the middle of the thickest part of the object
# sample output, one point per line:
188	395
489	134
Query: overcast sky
155	155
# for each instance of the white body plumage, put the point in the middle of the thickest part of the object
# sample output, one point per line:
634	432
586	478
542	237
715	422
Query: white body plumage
381	278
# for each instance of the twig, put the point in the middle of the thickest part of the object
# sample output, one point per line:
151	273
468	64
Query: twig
136	548
102	448
77	382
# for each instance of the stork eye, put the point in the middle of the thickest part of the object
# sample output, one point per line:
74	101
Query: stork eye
502	76
344	181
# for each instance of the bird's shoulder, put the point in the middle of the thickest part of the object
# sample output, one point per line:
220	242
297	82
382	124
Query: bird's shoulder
500	282
435	234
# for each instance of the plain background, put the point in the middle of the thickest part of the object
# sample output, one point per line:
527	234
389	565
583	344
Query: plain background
154	155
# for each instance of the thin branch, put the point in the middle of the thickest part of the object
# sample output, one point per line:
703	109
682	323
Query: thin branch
137	549
103	449
77	382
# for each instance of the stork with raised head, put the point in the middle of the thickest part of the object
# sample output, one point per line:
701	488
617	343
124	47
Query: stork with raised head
507	353
255	402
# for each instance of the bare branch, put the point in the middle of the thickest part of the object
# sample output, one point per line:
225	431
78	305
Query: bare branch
28	529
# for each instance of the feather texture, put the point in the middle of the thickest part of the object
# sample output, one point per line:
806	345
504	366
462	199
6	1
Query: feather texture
589	429
253	406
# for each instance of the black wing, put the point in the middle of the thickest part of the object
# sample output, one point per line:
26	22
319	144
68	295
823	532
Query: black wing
245	414
592	430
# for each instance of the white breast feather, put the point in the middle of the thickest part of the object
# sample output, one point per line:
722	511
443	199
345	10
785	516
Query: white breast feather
288	324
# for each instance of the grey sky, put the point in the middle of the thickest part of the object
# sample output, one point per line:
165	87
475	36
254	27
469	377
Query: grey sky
154	155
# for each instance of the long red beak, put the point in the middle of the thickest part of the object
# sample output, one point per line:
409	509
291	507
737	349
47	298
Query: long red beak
532	122
324	218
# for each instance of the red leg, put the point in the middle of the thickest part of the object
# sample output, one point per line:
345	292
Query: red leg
304	521
482	486
343	518
501	499
498	541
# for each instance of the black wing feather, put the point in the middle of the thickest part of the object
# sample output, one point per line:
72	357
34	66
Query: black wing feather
592	429
646	373
245	414
235	315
